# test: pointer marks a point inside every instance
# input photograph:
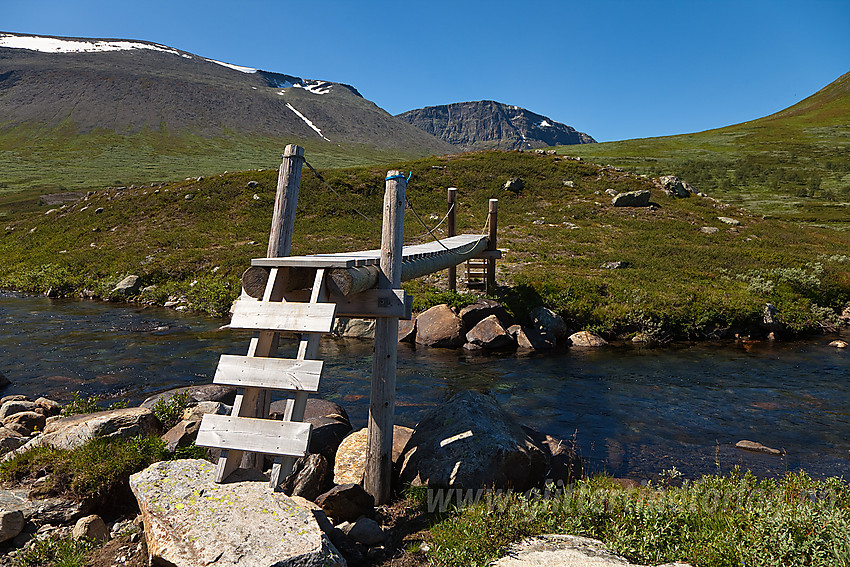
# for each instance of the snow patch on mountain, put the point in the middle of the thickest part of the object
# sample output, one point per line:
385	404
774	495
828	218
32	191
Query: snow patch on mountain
306	120
239	68
57	45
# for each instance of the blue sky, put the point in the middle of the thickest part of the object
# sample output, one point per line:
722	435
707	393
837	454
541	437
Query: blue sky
613	69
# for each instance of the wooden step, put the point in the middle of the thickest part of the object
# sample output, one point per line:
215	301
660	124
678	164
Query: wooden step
256	435
279	316
272	373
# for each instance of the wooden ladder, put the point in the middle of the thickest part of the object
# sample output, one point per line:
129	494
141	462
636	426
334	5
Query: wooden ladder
247	429
476	272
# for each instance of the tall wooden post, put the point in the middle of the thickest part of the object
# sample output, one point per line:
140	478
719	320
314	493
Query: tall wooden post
492	224
451	228
379	447
254	402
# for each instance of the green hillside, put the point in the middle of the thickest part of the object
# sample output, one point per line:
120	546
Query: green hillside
688	273
794	164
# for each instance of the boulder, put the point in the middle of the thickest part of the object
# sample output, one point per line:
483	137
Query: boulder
16	406
197	394
128	286
406	330
470	442
28	420
11	524
473	314
756	447
632	199
346	502
367	531
182	435
587	339
490	334
355	328
350	464
191	521
10	440
675	187
76	430
440	327
198	411
531	339
92	528
838	344
729	221
547	322
514	184
310	477
48	407
326	435
13	398
316	407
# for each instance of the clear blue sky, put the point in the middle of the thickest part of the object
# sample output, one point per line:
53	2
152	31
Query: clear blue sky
614	69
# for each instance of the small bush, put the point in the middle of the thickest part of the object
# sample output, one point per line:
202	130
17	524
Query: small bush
55	552
170	411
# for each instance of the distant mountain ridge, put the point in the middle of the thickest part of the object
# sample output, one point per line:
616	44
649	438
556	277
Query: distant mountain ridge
155	103
487	124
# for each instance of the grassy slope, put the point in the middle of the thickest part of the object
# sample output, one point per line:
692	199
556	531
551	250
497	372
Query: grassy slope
680	281
794	164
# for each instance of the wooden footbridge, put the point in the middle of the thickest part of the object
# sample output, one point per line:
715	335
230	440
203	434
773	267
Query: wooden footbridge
304	294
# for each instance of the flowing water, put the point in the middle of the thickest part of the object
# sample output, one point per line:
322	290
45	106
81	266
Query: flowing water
632	412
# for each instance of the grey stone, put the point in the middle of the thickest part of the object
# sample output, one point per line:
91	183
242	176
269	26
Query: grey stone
11	524
531	339
564	551
354	328
675	187
709	230
546	321
128	286
756	447
346	502
473	314
29	420
182	435
197	394
92	528
632	199
16	406
470	442
490	334
440	327
192	521
729	221
10	440
587	339
514	184
367	531
311	477
406	330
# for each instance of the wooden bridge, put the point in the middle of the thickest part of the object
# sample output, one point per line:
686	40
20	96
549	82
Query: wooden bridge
305	294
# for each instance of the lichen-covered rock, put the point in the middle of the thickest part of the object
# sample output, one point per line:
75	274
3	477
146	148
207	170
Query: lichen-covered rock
350	464
191	521
470	442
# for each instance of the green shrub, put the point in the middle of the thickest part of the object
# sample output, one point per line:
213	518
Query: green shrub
170	411
54	552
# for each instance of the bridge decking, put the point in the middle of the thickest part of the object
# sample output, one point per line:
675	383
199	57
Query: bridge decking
460	247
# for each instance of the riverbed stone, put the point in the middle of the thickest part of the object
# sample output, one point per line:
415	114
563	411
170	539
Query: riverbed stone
632	199
756	447
838	344
128	286
470	442
547	322
192	521
76	430
197	394
182	435
440	327
490	334
350	464
354	328
16	406
476	312
10	440
407	330
531	339
587	339
29	421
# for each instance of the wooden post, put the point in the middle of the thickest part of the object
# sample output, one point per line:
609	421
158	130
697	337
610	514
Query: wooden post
254	402
492	224
379	447
451	228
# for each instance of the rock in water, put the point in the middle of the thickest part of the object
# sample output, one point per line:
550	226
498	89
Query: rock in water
190	521
470	442
439	327
587	339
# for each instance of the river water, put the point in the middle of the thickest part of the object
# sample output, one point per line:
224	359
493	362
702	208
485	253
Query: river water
632	412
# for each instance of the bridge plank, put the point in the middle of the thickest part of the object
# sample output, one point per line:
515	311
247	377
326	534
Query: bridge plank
275	316
272	373
255	435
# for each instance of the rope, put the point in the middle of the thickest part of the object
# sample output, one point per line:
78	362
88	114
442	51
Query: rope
343	199
431	232
439	224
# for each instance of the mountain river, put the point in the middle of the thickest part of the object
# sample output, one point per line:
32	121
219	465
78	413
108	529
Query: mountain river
632	412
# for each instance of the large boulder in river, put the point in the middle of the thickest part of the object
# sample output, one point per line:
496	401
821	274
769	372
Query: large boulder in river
587	339
490	334
192	521
470	442
473	314
440	327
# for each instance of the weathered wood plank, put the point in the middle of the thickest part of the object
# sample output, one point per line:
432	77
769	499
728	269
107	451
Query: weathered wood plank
274	316
274	373
256	435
